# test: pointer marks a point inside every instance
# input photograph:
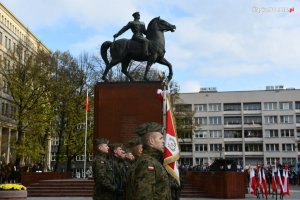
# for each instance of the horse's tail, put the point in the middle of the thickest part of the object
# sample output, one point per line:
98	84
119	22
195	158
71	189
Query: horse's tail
103	51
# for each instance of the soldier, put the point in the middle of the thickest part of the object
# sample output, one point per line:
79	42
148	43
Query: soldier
136	147
119	169
147	178
104	188
138	28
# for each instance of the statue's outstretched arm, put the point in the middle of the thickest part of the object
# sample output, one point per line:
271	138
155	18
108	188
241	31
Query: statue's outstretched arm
125	28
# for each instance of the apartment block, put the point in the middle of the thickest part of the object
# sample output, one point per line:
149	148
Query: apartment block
249	127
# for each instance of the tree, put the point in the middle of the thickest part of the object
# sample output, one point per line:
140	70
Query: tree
68	95
27	76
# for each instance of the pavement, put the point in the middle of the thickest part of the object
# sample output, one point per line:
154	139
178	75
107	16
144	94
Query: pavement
294	191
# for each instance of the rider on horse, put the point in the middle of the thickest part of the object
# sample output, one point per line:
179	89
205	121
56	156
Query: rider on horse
138	28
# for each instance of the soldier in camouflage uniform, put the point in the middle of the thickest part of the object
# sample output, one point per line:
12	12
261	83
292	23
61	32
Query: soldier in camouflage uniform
147	178
136	147
104	188
120	169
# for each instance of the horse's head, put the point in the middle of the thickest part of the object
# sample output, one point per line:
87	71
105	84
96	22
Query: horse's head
160	24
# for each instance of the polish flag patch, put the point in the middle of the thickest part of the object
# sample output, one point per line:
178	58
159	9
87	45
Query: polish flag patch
151	168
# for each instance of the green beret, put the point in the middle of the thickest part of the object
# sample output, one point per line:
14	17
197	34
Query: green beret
98	141
134	141
115	145
148	127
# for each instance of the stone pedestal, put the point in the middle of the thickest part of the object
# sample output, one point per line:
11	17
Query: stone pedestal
121	107
13	194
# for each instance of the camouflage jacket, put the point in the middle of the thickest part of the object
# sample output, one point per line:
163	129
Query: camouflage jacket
104	187
147	178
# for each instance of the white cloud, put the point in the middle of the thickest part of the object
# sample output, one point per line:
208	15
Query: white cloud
190	86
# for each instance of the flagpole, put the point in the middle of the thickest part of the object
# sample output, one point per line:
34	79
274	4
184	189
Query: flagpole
85	134
165	86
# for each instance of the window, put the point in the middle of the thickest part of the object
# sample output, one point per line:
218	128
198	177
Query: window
200	120
272	161
53	156
80	158
5	42
270	105
214	107
186	147
252	106
272	147
184	134
287	133
232	106
200	107
234	147
232	120
297	105
215	120
232	134
286	119
252	120
297	119
271	119
201	134
215	147
90	157
183	108
290	161
253	133
0	37
271	133
285	105
253	147
200	147
288	147
55	141
215	134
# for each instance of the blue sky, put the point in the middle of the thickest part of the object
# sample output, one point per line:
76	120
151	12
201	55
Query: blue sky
228	44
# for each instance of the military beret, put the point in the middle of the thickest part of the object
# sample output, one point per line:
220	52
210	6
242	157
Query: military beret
98	141
148	127
134	141
116	145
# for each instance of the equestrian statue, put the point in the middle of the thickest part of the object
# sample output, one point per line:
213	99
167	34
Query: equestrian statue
150	48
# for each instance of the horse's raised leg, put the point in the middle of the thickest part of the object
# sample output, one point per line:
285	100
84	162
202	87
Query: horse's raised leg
164	61
151	60
107	68
125	71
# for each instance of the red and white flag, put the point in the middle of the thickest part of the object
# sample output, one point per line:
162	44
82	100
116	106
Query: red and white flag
279	181
274	186
285	180
259	179
171	151
252	184
264	182
87	101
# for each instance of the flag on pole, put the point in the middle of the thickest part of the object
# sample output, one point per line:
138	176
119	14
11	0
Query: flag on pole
252	184
87	101
285	180
264	182
274	186
171	151
259	178
279	181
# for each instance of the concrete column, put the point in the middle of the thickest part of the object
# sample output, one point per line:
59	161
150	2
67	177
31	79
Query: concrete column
0	143
48	154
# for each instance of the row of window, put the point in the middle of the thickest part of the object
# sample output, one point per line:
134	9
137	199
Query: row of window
216	107
239	147
238	133
15	30
78	158
237	120
8	110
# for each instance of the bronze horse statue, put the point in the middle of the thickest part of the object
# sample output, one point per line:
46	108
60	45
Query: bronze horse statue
125	50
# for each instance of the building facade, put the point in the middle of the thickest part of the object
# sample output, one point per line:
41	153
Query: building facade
12	33
249	127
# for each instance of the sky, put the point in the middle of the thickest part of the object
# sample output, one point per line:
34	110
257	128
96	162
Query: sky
233	45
